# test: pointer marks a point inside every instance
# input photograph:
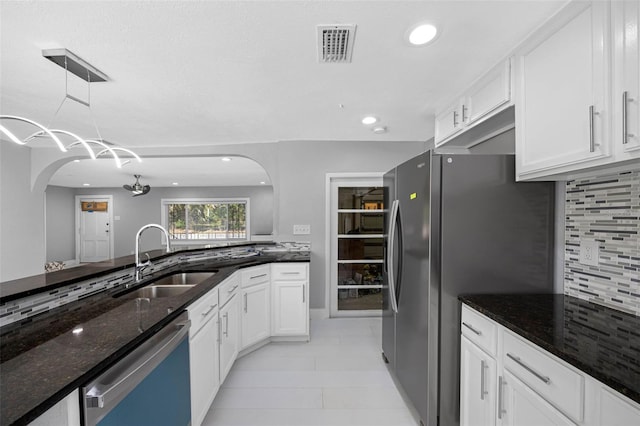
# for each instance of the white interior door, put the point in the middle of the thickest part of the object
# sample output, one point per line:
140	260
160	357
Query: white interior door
95	237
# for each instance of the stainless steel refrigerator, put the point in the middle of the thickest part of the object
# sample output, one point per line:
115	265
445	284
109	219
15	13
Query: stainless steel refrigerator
455	224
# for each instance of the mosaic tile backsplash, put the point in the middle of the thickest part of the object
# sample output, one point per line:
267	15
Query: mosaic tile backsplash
27	307
604	209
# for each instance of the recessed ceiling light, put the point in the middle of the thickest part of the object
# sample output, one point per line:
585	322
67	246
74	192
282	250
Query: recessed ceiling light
174	183
422	34
369	120
263	183
86	184
227	159
379	129
76	161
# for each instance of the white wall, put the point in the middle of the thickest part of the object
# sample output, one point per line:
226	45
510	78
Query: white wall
22	247
60	223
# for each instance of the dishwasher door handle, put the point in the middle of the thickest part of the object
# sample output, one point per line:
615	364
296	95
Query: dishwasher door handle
135	367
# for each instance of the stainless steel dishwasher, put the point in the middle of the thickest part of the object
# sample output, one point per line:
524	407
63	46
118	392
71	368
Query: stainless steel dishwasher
150	386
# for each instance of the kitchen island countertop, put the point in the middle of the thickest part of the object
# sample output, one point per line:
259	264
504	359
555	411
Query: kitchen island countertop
42	359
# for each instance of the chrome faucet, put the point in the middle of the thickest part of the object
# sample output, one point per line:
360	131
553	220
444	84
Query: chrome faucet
141	266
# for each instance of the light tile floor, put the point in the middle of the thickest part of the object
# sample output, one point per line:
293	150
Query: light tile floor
337	379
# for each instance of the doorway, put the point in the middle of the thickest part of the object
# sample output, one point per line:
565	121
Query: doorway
357	245
94	216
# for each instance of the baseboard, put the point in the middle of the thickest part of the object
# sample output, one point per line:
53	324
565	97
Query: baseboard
318	314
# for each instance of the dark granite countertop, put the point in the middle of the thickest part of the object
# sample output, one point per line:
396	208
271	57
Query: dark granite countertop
27	286
600	341
42	360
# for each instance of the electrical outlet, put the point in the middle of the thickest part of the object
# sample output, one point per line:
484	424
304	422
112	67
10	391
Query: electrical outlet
589	253
301	229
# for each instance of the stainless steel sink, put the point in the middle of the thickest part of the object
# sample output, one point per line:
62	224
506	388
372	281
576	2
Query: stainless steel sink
183	278
171	285
153	291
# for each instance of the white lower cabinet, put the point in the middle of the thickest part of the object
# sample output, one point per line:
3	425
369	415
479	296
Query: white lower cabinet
65	413
256	305
290	288
519	405
238	314
477	386
524	385
615	411
203	355
290	308
229	335
256	314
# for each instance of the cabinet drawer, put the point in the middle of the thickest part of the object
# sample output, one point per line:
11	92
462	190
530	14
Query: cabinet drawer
479	329
228	288
255	275
555	382
289	271
203	310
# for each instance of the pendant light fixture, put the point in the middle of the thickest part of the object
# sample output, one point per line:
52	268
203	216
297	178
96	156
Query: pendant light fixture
75	65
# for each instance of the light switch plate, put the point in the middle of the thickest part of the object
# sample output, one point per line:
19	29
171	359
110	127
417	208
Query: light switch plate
589	253
301	229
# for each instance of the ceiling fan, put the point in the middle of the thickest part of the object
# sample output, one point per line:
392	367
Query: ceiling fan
136	188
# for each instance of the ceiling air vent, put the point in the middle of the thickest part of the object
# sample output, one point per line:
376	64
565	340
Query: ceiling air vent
335	42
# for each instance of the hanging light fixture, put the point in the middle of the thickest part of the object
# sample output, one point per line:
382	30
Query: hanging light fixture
79	67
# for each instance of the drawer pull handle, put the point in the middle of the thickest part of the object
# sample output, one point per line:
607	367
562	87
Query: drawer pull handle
501	409
290	273
211	308
245	303
258	276
472	329
231	289
226	324
483	392
545	379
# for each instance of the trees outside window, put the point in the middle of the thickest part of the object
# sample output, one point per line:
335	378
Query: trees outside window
206	219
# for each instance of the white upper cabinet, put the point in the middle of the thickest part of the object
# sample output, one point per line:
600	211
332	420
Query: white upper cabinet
448	122
578	92
562	109
626	91
489	95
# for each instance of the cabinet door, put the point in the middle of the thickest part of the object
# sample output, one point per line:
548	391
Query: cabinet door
290	308
229	335
562	113
626	93
204	367
493	91
448	122
256	315
614	411
477	386
519	405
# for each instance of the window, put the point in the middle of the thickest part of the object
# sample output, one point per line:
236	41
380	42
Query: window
206	219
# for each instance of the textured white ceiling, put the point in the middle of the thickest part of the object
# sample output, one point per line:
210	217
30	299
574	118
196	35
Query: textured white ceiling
191	73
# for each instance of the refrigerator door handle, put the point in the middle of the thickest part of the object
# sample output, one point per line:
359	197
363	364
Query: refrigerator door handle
392	233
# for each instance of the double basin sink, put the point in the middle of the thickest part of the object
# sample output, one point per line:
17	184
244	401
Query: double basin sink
171	285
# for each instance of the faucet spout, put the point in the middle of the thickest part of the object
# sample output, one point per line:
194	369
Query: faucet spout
140	266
